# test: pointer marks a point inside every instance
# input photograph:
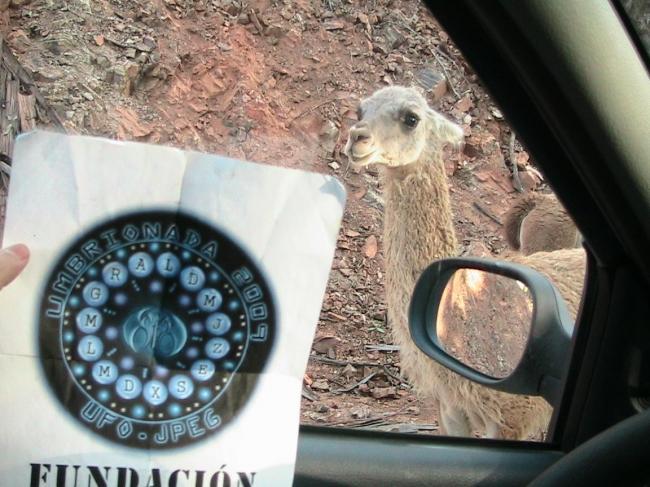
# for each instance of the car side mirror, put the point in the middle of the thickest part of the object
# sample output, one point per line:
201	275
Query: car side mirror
497	323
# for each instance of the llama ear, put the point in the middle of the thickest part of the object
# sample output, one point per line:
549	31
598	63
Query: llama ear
445	131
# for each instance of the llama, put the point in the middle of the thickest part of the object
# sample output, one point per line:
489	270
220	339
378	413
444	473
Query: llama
398	131
538	222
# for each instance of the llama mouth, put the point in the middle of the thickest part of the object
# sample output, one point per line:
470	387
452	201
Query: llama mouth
362	160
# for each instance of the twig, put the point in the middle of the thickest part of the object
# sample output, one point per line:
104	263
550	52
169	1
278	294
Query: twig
256	21
382	347
343	363
390	374
487	213
446	73
356	384
308	111
516	181
116	43
5	168
365	422
308	395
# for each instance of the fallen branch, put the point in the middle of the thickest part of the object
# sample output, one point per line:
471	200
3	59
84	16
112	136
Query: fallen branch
308	111
308	395
485	212
446	73
356	384
365	422
382	347
516	181
343	363
256	21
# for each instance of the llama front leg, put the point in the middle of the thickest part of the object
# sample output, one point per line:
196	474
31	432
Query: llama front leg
454	421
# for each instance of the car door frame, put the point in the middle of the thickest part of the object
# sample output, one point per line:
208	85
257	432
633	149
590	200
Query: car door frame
529	54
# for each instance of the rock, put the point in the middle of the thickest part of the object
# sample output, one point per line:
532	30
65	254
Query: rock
334	25
328	135
244	19
102	61
232	9
4	5
496	113
19	3
274	31
325	344
88	96
47	74
334	165
471	150
370	247
528	180
464	104
432	81
361	412
384	392
130	52
320	385
349	371
125	76
141	46
322	408
394	38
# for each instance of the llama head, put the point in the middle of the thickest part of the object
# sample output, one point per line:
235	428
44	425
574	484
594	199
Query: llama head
396	127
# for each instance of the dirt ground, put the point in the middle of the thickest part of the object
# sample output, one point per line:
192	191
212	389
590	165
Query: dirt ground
277	82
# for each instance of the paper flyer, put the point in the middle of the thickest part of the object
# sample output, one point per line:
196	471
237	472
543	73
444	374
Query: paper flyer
159	335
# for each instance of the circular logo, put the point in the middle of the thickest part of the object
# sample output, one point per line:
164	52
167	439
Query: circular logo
154	328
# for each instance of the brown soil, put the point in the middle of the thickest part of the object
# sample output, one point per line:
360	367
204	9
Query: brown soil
277	82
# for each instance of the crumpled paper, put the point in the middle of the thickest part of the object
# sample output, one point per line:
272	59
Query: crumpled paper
62	186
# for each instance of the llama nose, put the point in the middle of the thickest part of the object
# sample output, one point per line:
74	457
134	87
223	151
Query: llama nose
360	133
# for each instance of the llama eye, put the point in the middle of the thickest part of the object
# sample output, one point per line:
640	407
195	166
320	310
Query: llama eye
359	113
411	120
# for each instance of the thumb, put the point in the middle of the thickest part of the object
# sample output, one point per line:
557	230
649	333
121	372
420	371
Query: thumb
12	261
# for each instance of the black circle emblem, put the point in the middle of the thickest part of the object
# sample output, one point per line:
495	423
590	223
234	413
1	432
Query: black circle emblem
154	328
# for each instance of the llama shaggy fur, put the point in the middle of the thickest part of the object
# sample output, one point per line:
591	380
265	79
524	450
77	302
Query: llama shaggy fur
539	223
418	229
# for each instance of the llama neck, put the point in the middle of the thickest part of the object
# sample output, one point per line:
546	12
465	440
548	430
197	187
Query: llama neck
418	229
418	224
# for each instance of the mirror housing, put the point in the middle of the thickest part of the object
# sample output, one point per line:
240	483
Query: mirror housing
545	358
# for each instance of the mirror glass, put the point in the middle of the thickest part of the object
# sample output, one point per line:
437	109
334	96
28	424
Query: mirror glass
484	320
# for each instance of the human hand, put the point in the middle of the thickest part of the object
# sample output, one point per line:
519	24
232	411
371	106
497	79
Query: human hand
12	261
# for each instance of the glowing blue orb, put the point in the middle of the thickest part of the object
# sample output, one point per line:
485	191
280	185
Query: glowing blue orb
78	370
127	363
204	394
90	348
121	299
111	333
168	265
192	278
202	370
217	348
155	392
95	294
105	372
128	386
141	264
115	274
175	410
89	320
181	387
209	300
138	411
